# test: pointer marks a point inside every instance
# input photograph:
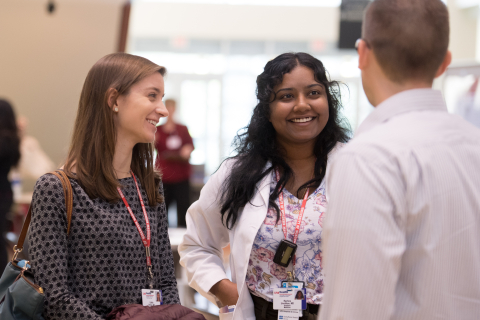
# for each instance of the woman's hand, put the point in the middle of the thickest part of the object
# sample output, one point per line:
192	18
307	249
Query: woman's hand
225	291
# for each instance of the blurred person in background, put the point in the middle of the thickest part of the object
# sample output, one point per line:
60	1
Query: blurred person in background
401	237
174	146
34	161
278	171
9	158
119	222
468	106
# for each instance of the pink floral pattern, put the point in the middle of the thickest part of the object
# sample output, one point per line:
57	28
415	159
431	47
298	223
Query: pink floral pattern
291	225
318	257
320	219
271	218
251	283
264	254
263	275
321	200
277	271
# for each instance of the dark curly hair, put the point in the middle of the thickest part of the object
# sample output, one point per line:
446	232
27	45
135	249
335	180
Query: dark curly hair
256	143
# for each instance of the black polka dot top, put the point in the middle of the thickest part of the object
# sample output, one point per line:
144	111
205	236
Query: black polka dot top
101	264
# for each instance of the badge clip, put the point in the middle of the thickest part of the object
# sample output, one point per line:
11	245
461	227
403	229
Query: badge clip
290	277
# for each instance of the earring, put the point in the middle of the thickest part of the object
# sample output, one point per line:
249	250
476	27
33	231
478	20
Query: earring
116	109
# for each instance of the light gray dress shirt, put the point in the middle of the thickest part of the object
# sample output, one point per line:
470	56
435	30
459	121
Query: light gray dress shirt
402	230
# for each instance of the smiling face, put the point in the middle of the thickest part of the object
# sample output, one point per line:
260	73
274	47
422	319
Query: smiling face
300	109
140	110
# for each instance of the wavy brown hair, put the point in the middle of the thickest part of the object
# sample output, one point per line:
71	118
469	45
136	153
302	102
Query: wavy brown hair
94	133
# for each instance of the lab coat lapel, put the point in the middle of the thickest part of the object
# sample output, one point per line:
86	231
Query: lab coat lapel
250	222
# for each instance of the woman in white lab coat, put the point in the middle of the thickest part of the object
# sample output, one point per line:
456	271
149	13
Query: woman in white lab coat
281	158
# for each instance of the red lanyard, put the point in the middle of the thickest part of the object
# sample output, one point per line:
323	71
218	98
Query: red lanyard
145	240
284	218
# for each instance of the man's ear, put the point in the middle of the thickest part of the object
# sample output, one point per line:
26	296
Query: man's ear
445	63
112	95
364	53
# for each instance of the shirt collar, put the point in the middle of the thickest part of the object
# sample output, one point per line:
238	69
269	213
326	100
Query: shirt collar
405	101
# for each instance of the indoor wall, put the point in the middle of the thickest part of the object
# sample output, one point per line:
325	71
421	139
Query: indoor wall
44	59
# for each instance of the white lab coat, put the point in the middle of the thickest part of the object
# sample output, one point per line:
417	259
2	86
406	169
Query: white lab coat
201	249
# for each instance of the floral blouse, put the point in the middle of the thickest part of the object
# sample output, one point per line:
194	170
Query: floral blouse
263	275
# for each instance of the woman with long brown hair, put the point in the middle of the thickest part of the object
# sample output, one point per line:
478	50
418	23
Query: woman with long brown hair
118	241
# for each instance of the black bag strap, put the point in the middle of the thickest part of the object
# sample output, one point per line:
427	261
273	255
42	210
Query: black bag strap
67	190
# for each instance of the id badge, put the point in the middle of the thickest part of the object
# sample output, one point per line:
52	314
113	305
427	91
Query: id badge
290	299
288	315
152	297
294	284
227	309
285	252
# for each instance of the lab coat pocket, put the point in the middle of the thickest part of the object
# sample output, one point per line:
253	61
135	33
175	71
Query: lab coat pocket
226	316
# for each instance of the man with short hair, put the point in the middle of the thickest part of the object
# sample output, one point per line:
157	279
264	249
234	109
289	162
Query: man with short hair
402	231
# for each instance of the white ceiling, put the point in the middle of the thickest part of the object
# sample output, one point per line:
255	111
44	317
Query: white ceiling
467	3
246	22
289	3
